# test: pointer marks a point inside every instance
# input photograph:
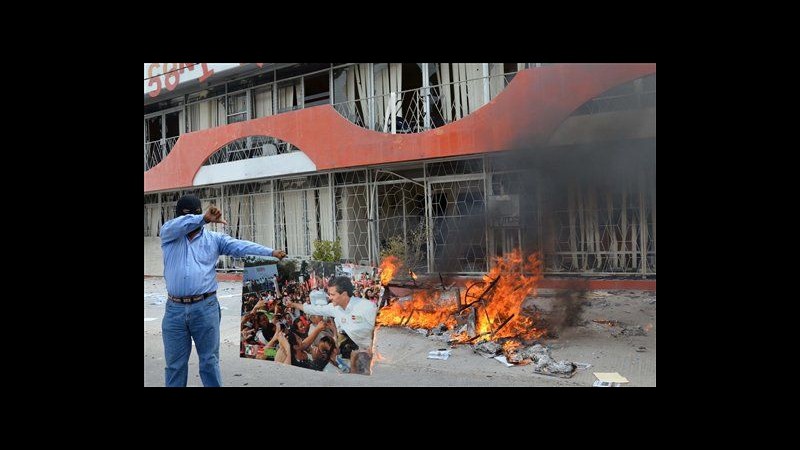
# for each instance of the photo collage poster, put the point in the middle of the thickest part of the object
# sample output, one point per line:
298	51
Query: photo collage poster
274	329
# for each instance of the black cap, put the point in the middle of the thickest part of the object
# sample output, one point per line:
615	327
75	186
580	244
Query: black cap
188	204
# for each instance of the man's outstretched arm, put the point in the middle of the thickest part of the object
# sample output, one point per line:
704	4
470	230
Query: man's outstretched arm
239	248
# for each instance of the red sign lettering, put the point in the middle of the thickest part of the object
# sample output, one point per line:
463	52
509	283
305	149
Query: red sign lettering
171	73
206	72
154	80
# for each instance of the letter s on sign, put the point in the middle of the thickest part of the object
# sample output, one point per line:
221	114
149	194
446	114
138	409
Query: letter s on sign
154	79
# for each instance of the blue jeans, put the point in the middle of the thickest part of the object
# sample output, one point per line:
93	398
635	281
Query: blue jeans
186	321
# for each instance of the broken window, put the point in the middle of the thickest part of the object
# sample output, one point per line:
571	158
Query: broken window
237	107
316	89
160	134
350	93
290	95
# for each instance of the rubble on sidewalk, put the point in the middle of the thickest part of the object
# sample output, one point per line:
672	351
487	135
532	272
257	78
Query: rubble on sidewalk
488	349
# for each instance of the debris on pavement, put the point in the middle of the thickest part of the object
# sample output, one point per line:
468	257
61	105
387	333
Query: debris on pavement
609	379
439	354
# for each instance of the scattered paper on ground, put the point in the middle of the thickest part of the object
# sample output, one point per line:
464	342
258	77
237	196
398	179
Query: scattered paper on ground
502	359
439	354
610	377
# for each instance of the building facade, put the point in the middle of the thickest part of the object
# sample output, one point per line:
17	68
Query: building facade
458	163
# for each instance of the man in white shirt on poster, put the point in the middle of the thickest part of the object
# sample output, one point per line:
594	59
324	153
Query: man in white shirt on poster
354	318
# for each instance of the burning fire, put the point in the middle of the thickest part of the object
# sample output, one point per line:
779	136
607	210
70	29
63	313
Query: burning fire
494	305
412	274
511	346
388	267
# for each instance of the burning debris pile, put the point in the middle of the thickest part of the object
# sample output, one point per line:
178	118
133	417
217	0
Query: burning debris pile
537	354
487	315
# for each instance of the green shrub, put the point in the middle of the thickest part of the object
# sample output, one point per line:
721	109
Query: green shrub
330	251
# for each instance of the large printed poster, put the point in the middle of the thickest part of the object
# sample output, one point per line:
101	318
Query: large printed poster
305	319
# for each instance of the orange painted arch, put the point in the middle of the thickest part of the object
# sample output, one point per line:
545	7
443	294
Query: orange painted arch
528	111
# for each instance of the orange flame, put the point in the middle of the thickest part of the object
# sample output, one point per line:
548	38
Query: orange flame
503	290
412	274
424	310
511	346
497	301
388	267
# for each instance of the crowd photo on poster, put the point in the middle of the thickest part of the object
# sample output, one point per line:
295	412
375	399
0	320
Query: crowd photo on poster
296	317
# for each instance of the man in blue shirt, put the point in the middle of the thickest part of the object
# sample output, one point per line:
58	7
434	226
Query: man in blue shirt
193	312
